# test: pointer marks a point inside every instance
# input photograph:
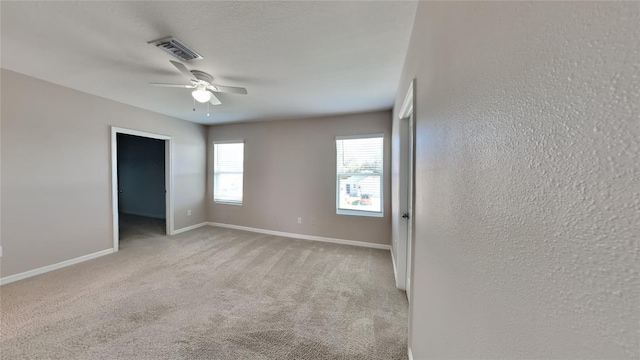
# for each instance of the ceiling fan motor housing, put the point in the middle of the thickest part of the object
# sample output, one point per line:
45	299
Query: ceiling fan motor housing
202	76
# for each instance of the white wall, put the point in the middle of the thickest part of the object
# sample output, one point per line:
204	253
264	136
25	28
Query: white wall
527	195
56	182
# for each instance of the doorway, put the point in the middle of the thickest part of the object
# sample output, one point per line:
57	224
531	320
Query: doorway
141	184
406	194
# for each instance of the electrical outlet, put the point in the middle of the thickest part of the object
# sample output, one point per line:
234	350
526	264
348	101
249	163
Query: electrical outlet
299	220
188	212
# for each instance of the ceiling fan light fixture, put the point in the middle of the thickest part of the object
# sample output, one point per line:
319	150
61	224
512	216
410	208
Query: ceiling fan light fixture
201	95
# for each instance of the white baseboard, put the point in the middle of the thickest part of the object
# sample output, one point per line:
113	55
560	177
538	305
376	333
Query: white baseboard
409	353
395	270
45	269
184	229
304	237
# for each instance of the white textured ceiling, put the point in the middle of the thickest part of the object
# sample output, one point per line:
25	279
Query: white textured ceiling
296	59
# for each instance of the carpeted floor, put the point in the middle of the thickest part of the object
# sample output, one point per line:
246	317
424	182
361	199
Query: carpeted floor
210	293
133	227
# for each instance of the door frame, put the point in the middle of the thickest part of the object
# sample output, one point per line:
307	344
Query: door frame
168	170
406	191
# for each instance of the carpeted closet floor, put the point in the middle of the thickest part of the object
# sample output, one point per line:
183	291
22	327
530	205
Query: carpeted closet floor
210	293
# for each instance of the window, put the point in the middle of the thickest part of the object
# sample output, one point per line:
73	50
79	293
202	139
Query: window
228	168
359	175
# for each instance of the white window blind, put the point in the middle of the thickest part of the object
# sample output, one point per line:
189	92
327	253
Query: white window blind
359	175
228	169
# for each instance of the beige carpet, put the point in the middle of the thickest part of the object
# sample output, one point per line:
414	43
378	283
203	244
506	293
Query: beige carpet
210	293
134	226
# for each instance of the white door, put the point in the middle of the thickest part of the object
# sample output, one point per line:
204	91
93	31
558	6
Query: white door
409	213
405	201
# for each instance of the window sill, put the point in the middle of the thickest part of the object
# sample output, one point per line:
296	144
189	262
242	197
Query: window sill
359	213
228	203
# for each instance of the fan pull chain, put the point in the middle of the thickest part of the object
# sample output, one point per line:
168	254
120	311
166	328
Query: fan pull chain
194	104
208	108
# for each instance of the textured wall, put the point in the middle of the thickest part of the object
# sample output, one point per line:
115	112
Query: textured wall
527	200
290	172
56	170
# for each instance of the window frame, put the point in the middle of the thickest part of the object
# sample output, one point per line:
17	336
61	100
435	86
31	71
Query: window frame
213	182
351	212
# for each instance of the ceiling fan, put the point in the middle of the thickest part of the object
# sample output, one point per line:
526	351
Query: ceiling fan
203	87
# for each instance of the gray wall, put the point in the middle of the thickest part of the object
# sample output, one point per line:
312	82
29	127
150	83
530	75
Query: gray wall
527	200
141	176
290	169
56	182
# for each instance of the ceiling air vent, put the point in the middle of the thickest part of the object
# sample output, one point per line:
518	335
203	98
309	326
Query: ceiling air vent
175	48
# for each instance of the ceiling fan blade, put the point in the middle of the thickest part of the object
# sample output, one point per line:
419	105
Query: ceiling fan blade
230	89
214	100
183	69
173	85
